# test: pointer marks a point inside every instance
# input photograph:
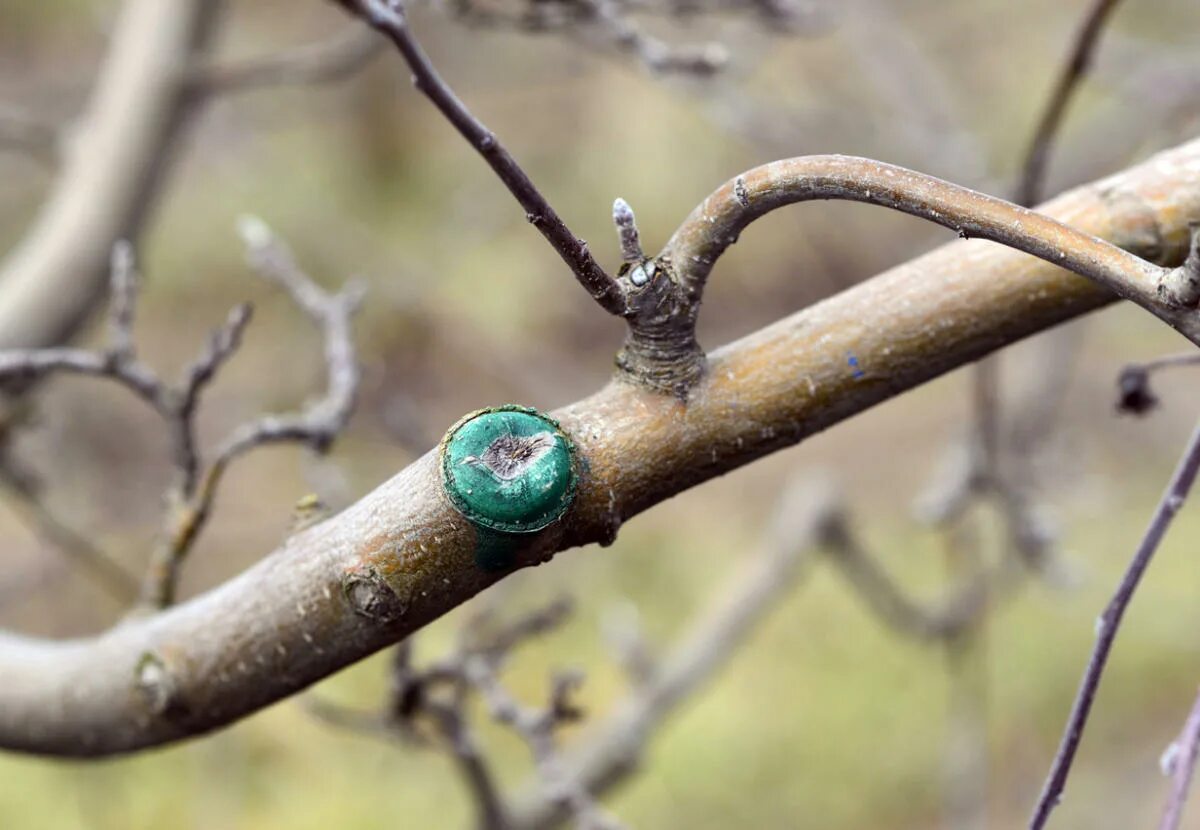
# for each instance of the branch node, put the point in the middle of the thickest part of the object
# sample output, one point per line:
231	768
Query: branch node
1180	287
370	596
156	686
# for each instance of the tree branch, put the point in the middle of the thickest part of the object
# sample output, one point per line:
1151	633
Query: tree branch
1108	624
402	555
387	16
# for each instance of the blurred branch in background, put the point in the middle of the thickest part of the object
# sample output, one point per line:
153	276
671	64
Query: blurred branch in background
191	495
112	166
614	25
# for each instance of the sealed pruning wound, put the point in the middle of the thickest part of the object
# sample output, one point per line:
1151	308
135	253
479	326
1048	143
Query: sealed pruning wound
510	471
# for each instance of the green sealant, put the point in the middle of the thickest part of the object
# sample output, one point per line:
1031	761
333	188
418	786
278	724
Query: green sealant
510	471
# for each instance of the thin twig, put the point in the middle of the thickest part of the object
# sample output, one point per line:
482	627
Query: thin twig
316	425
1180	764
388	17
614	746
1108	624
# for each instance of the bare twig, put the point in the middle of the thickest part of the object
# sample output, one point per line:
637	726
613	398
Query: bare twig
316	425
1180	764
388	17
330	60
611	25
614	745
615	27
661	350
1108	625
537	726
191	497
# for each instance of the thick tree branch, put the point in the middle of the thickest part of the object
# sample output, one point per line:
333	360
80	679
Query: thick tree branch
661	349
403	555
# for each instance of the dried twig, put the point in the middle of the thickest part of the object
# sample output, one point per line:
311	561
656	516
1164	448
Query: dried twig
388	17
1179	761
191	495
316	425
1108	625
613	747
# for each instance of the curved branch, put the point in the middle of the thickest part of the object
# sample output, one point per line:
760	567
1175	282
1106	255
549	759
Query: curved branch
717	222
661	351
402	556
55	275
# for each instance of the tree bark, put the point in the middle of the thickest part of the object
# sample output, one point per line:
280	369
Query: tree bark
402	556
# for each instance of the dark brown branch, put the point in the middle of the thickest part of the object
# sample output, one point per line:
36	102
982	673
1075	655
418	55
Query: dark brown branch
387	16
1029	190
1108	625
1180	764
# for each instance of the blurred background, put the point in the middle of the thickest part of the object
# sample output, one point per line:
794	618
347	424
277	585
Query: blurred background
826	717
